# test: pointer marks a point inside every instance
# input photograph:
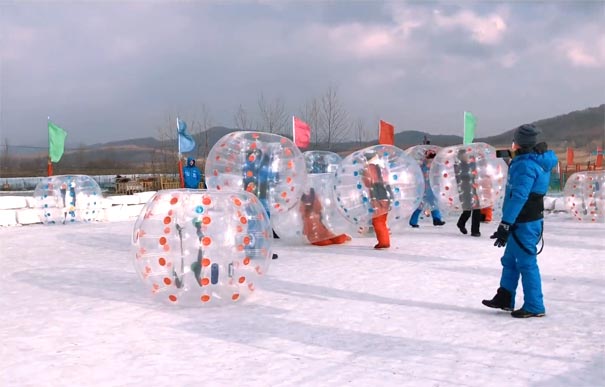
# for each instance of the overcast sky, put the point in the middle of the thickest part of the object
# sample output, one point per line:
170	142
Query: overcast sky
108	70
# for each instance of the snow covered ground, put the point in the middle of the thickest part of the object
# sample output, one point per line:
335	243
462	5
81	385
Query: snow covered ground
75	313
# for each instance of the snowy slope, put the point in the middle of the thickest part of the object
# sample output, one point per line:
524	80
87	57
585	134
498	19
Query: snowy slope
75	313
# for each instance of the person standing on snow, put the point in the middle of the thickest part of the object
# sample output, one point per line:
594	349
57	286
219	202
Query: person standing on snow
192	174
522	218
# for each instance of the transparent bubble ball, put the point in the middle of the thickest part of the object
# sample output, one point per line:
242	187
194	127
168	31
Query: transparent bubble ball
202	248
585	196
267	165
68	199
467	177
321	161
316	217
376	180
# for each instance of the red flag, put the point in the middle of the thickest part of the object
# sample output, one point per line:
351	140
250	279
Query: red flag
302	133
570	156
386	134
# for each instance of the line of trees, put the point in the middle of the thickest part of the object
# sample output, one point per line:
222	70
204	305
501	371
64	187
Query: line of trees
330	122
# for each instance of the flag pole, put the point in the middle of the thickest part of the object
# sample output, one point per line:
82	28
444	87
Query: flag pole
463	126
293	131
49	165
178	140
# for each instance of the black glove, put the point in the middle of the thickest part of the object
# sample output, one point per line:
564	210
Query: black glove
501	234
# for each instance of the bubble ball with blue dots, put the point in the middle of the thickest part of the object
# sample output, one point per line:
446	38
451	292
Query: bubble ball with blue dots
376	180
65	199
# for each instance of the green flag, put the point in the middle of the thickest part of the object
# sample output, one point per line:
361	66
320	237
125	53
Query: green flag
56	142
469	128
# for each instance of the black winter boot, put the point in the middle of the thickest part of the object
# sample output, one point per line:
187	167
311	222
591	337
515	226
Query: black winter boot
502	300
522	313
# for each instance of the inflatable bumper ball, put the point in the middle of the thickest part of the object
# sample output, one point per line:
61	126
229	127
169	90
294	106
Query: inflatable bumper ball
267	165
198	247
321	161
585	196
376	180
316	219
424	155
467	177
68	199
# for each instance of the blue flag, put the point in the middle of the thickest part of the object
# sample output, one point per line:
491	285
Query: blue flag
186	141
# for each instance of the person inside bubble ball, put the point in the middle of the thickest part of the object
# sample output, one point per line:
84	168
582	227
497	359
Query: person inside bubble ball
72	192
380	196
68	203
465	169
320	165
257	176
429	199
522	218
63	191
313	227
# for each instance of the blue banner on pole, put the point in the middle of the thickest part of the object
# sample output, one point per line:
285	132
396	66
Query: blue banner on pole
186	141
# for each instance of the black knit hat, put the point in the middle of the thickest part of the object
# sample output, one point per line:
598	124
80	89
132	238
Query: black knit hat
526	136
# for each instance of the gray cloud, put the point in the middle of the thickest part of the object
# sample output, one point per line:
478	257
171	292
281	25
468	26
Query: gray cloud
109	71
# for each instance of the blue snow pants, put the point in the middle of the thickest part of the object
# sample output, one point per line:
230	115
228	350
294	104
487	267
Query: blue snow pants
414	218
517	262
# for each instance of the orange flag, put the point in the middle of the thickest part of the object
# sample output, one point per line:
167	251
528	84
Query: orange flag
386	133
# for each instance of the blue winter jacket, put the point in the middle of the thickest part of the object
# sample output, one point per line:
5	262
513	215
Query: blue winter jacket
191	174
528	173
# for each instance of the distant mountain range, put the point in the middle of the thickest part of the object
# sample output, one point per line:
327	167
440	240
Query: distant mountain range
582	129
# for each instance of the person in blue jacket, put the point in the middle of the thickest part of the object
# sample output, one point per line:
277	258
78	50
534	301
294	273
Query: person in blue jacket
429	200
522	224
192	174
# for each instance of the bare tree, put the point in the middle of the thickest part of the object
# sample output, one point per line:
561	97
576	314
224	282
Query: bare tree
334	117
201	136
168	147
273	115
360	131
241	119
5	160
80	155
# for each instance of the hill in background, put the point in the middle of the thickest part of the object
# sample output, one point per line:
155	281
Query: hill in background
584	130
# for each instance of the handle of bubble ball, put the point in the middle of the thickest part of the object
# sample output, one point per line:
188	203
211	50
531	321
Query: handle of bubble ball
214	273
178	281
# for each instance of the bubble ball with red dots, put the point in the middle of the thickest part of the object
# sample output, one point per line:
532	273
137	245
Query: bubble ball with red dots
585	196
467	177
267	165
198	247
